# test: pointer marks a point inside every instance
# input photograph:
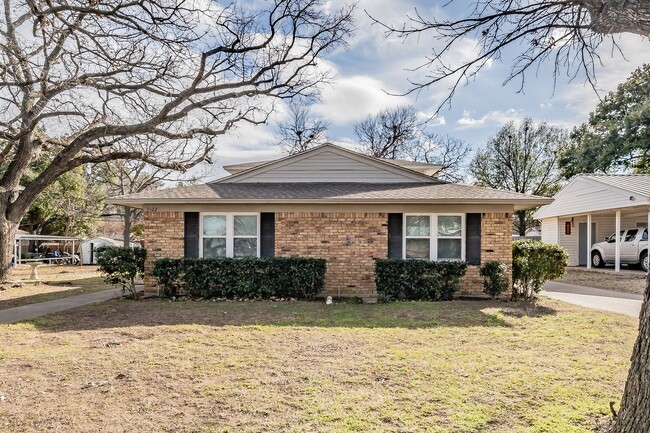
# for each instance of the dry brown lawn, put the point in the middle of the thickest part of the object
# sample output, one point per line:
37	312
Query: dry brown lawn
627	281
56	281
460	366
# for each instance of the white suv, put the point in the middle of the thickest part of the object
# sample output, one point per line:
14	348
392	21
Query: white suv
634	249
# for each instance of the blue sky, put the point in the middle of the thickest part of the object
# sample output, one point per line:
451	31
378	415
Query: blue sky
374	65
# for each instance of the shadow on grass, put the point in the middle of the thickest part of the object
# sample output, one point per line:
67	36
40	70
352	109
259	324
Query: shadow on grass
527	309
408	315
65	288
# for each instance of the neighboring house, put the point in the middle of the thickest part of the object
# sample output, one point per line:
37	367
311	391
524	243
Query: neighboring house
590	208
89	246
534	233
332	203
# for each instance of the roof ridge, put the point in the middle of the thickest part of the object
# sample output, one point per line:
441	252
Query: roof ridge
612	174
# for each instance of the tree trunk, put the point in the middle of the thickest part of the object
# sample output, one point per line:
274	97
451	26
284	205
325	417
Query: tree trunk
619	16
128	215
634	416
521	222
8	231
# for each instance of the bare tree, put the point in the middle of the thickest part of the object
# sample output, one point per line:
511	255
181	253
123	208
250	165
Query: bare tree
398	134
79	78
449	152
521	158
301	131
566	33
388	133
122	177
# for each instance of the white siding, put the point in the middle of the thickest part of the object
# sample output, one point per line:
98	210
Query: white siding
550	230
328	166
570	242
605	225
585	195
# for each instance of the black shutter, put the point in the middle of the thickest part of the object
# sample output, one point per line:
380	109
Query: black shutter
473	238
267	235
395	235
191	247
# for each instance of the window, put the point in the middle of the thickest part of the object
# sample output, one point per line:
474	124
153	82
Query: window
434	237
450	237
631	235
230	235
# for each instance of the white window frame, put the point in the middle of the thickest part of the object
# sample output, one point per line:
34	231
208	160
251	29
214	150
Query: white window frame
230	231
433	235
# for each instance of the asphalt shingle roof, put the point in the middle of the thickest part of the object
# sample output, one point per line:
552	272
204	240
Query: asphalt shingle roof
329	191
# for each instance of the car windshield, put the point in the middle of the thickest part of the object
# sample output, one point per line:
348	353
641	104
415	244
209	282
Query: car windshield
612	238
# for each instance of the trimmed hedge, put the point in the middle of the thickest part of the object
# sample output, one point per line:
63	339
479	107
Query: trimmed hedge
399	279
264	278
533	263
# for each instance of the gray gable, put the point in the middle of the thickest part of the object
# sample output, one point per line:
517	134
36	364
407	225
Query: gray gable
327	163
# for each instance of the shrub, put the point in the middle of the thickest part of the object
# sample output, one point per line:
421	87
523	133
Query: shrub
495	277
122	265
398	279
281	277
170	274
533	263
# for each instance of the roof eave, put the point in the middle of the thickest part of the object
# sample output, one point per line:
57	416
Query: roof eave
519	204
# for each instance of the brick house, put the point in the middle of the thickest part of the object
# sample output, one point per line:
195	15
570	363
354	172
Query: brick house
332	203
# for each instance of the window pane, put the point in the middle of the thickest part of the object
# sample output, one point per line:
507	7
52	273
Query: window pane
631	235
214	225
245	247
417	249
417	225
245	225
450	225
214	247
449	249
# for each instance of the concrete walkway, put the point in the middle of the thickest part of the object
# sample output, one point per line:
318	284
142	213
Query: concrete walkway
31	311
598	299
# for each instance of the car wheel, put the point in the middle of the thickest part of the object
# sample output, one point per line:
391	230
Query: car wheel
597	260
643	261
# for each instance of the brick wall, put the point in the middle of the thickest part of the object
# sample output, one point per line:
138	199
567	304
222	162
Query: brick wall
496	244
164	234
349	242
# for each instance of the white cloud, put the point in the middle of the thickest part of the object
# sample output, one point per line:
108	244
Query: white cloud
496	117
350	99
579	98
431	118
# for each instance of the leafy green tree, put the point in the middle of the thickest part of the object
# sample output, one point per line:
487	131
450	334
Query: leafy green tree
521	158
70	206
617	135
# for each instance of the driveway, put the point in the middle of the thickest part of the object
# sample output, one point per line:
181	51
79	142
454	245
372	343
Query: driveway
598	299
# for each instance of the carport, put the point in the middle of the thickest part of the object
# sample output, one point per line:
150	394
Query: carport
22	255
591	207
